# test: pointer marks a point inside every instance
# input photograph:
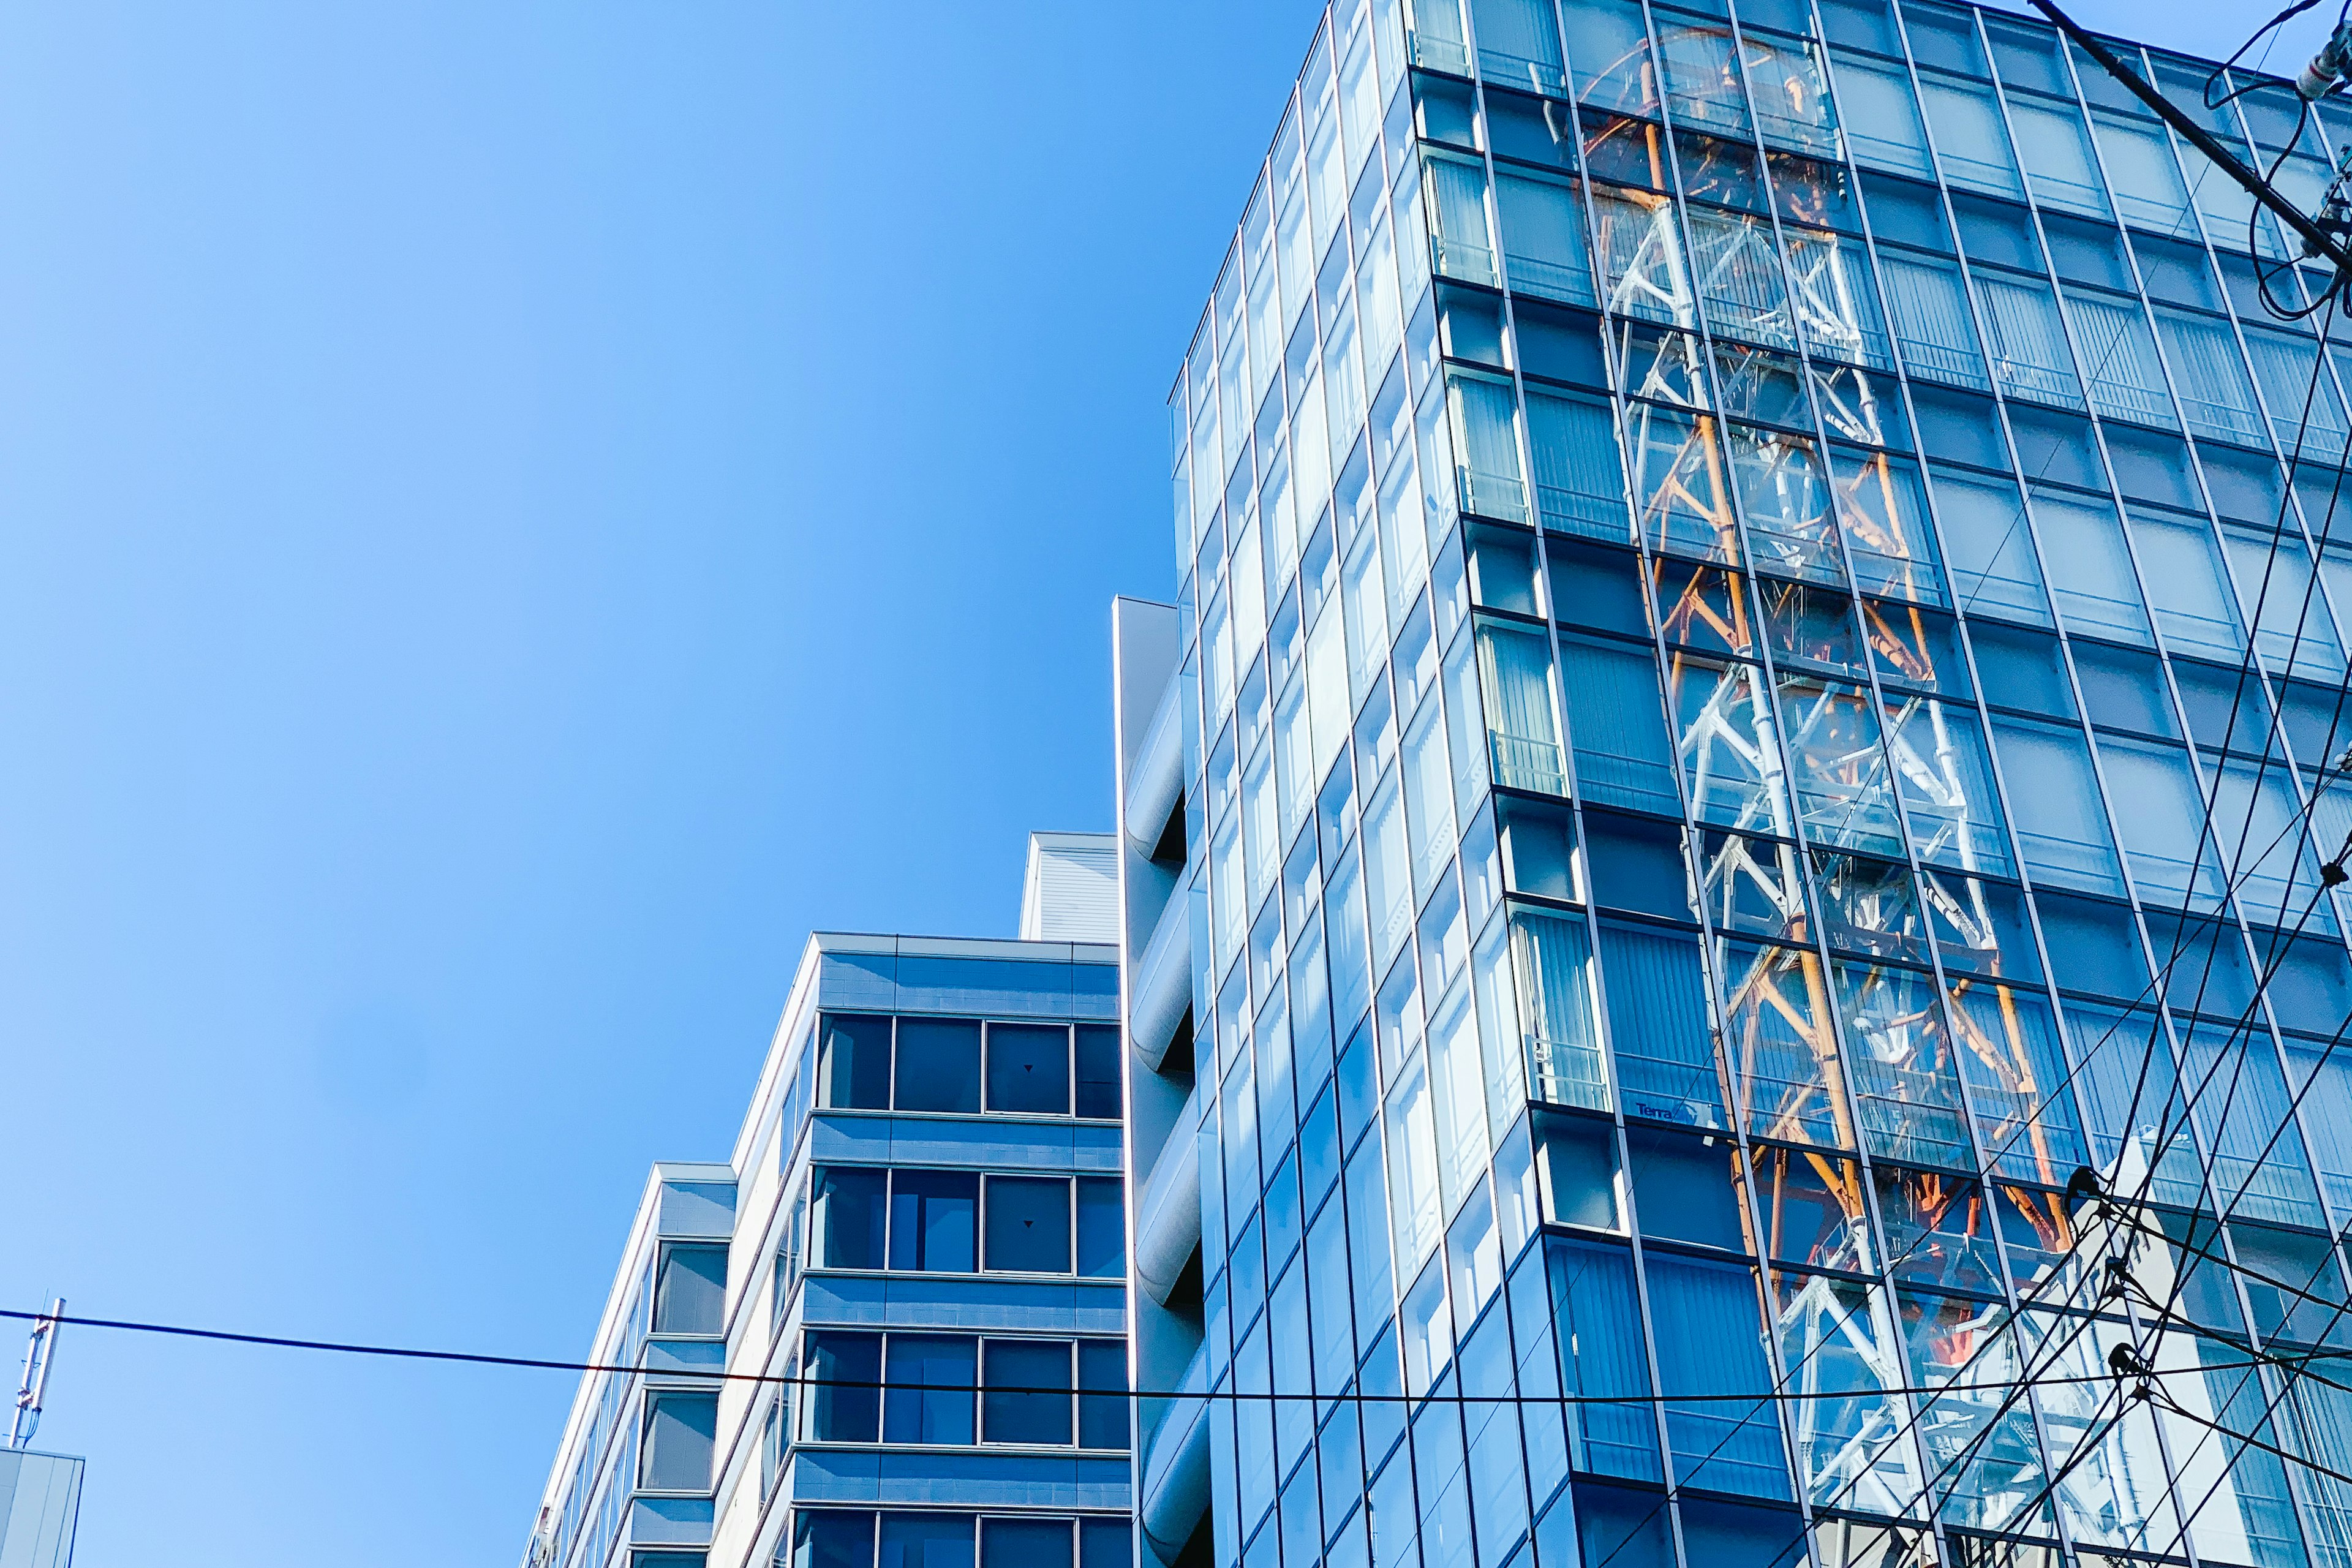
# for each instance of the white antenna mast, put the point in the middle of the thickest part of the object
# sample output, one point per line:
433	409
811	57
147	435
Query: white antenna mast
39	1352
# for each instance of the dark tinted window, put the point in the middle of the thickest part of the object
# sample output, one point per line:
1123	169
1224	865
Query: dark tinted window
934	1219
846	1405
938	1064
1010	1412
852	1067
1029	1225
846	1222
1029	1067
690	1292
1098	1062
1102	1228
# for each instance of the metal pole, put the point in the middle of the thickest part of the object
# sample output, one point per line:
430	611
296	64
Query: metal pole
41	1350
2199	138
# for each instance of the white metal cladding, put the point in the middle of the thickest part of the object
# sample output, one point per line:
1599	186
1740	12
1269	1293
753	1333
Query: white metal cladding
1071	894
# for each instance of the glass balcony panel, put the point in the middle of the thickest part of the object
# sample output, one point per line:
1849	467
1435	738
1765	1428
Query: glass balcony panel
1609	50
1838	1340
1737	272
1975	1435
1462	244
1579	467
1704	1317
2241	1102
2091	573
1780	1046
1486	437
1643	271
2057	153
1616	721
1682	494
2028	342
1846	795
1970	144
2017	1080
1518	46
1784	493
1658	1026
1881	117
1905	1084
1987	546
1812	1209
1553	963
1522	737
1702	81
2113	1491
1883	509
1790	89
1731	766
2129	1091
1543	239
1596	1319
1932	327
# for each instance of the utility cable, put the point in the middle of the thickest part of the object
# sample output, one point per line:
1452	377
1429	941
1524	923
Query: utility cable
273	1342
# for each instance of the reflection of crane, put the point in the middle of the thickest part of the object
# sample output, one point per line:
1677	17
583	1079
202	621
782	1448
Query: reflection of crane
41	1350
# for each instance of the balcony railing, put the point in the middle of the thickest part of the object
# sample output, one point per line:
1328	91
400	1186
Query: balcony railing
1524	763
1564	1072
1498	496
1462	259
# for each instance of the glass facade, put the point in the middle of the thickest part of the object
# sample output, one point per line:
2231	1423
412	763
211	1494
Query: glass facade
914	1265
1760	677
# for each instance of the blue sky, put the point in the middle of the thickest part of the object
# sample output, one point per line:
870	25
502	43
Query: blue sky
509	515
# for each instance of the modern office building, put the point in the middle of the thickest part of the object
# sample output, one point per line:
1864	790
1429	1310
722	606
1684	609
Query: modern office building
1755	683
40	1503
925	1201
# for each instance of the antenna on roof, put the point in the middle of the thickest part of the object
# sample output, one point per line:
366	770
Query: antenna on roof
41	1350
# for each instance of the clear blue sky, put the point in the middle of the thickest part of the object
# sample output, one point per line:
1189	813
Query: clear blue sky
509	515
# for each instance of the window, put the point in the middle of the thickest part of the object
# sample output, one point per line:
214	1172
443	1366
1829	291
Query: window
930	1398
1028	1225
690	1290
938	1065
1029	1069
1026	1391
1617	724
926	1541
1102	1228
678	1439
845	1402
833	1538
771	1449
1024	1543
933	1220
1931	320
848	1218
929	1221
1102	1397
854	1062
2055	796
1099	1072
1710	1344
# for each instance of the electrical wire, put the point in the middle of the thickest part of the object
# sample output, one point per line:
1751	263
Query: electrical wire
341	1347
2293	11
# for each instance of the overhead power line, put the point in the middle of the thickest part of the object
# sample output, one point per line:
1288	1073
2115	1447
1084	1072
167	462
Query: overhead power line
2197	136
475	1358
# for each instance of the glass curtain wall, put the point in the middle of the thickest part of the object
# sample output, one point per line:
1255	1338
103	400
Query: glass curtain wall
1796	571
